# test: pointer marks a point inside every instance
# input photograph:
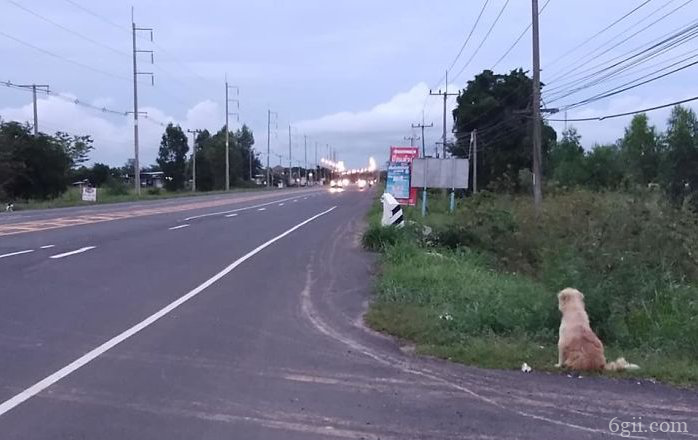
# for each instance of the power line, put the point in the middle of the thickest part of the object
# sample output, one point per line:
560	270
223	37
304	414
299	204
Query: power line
521	35
470	34
575	71
617	115
615	22
67	29
68	60
489	31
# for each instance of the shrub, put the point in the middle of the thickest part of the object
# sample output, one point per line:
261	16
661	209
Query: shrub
115	187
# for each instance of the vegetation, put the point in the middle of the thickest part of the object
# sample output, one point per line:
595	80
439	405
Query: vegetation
619	222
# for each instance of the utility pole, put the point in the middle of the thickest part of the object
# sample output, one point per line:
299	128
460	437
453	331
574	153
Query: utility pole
136	163
412	139
473	148
445	94
305	157
537	159
315	177
34	88
422	126
290	158
269	113
227	134
193	158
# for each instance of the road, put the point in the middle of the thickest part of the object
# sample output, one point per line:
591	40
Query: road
239	317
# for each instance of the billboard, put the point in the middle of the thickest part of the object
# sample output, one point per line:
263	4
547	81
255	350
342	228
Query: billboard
440	173
399	171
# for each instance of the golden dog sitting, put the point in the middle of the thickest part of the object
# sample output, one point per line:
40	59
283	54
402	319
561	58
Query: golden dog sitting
578	347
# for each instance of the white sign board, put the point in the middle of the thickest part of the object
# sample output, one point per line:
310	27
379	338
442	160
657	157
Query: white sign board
440	173
89	194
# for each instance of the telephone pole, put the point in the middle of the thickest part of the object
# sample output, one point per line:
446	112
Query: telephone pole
227	134
193	158
315	178
473	148
269	113
305	157
34	88
136	164
290	158
422	126
445	94
537	159
412	139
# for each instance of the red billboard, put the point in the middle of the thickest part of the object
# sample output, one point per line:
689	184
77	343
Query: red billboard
404	156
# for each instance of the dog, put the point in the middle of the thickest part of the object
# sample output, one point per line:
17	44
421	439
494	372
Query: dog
578	347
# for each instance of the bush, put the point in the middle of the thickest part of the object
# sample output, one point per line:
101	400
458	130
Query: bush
115	187
378	237
154	191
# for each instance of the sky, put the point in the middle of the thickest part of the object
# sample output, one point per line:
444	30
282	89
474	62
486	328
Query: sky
347	75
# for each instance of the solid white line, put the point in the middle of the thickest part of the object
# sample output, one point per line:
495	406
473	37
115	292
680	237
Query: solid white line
262	209
235	210
178	227
121	337
48	246
231	215
16	253
77	251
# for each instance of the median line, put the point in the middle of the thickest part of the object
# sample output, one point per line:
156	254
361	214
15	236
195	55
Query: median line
178	227
11	254
77	251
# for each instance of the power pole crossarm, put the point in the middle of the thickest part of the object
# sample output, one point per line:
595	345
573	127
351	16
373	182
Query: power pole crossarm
422	126
445	94
34	87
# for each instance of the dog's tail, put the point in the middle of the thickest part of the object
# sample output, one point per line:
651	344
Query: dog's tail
621	364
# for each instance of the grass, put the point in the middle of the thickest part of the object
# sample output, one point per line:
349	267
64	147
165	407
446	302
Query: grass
72	197
480	289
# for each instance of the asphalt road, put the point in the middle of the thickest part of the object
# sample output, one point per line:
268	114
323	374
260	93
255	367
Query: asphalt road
241	319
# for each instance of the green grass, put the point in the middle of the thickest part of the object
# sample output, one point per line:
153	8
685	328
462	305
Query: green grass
72	197
481	289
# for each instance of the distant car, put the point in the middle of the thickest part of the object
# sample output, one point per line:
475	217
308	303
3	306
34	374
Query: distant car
361	183
335	183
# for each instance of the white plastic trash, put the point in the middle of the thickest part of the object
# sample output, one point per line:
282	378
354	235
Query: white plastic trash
392	212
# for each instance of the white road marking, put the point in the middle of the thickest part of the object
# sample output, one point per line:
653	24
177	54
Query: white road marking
231	215
262	209
235	210
77	251
281	204
121	337
305	198
16	253
48	246
178	227
295	200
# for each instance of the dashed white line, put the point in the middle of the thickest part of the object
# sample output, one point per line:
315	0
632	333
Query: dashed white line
48	246
262	209
178	227
281	204
295	200
235	210
77	251
16	253
85	359
232	215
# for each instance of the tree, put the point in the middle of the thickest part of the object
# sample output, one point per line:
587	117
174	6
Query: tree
99	174
172	157
640	150
604	167
679	170
567	162
76	147
498	106
37	166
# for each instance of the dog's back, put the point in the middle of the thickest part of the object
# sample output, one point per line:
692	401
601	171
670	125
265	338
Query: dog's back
583	351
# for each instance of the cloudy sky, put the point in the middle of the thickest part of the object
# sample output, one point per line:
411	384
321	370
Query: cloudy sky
350	74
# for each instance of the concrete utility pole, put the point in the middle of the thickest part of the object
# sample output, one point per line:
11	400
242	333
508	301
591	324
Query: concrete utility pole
422	126
227	130
193	158
136	163
290	158
269	113
315	178
34	87
537	159
412	139
445	94
305	157
473	148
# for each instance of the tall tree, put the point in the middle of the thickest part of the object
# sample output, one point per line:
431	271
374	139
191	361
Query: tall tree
567	163
498	106
604	167
640	149
680	165
172	157
76	147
